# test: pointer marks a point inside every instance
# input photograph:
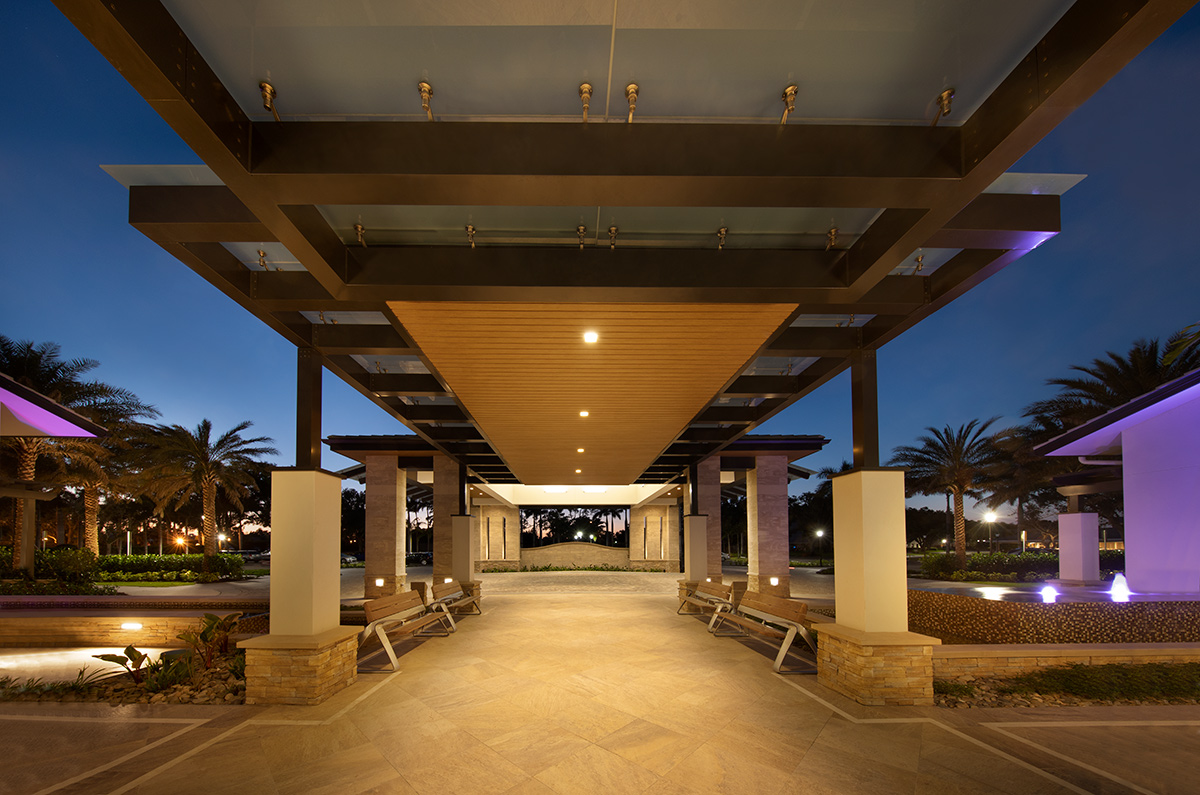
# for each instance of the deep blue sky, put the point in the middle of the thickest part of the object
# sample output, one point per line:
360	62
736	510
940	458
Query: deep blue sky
76	273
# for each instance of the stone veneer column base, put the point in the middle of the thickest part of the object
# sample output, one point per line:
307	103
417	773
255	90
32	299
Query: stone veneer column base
762	584
300	669
876	668
392	585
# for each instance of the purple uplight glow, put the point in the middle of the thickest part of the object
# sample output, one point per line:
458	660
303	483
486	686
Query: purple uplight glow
1120	589
1049	595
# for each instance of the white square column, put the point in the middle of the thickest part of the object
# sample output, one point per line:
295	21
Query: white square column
695	548
869	543
387	514
1078	548
306	516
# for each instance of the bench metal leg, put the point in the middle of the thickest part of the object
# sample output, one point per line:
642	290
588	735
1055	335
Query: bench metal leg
440	606
712	622
387	646
786	645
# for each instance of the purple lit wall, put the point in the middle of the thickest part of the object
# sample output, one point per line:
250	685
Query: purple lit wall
1161	455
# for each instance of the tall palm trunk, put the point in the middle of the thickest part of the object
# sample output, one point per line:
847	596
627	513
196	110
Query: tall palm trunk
91	517
210	523
960	531
26	465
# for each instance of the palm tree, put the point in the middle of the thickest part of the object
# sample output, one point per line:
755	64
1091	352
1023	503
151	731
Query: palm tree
183	463
1022	476
950	460
41	368
1113	381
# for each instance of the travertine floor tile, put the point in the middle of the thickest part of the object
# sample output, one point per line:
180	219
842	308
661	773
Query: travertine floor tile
594	770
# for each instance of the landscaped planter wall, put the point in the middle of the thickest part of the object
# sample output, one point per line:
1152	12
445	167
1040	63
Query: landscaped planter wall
964	663
965	619
574	554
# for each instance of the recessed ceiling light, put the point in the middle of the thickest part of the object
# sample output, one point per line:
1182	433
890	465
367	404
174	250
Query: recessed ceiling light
580	450
583	414
578	471
590	336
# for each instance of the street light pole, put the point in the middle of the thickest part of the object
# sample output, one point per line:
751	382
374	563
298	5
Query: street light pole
821	546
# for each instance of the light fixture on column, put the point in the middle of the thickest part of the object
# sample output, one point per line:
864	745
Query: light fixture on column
268	98
831	238
789	102
581	230
360	231
612	237
378	582
426	95
631	94
585	94
774	581
721	234
943	105
471	234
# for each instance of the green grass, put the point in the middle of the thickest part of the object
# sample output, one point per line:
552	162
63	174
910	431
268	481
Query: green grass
255	572
1113	681
946	688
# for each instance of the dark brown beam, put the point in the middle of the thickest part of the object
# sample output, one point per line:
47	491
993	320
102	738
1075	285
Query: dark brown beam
864	405
732	415
308	409
193	214
400	384
1002	220
640	165
817	341
454	434
349	338
425	414
516	273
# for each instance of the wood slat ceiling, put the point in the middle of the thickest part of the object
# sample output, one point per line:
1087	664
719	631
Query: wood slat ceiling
524	372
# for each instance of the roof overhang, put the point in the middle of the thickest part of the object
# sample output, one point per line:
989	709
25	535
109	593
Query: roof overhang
25	412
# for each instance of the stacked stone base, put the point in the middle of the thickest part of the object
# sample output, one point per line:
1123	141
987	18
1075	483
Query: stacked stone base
300	669
876	668
392	584
762	584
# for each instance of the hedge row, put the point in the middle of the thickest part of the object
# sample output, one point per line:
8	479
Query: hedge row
80	565
1025	567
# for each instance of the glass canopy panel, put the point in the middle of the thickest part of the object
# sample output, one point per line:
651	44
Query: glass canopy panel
931	260
648	227
275	256
871	60
391	364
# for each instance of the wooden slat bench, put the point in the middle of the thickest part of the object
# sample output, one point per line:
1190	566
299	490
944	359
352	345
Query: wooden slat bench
771	616
449	597
402	614
707	596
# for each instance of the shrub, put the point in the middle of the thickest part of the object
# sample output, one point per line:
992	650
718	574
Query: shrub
937	565
943	687
55	588
67	565
224	566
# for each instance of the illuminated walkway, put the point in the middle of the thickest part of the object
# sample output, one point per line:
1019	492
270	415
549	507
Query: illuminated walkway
594	693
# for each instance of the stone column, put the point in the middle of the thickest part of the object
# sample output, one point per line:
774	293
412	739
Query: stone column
672	529
1078	548
446	498
387	496
709	487
767	526
869	654
307	656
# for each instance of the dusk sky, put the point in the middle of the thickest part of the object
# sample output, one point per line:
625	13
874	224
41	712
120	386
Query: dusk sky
76	273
